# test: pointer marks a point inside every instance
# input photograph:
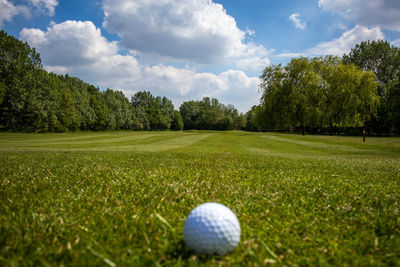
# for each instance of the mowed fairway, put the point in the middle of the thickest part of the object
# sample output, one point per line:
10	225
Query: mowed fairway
121	198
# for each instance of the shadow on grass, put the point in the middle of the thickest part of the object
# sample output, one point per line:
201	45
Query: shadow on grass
181	253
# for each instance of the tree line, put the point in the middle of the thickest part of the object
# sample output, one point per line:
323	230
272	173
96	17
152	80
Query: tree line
308	95
332	94
33	100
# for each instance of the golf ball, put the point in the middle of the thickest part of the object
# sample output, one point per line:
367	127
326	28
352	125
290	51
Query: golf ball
211	228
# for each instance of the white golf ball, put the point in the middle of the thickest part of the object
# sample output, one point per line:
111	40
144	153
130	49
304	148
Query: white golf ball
211	228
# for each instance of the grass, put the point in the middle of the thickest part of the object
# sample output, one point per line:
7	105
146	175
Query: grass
121	198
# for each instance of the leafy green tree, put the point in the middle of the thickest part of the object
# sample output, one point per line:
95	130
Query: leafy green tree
382	59
67	114
2	92
100	109
304	106
43	106
316	93
166	113
276	100
153	113
239	122
211	116
208	114
177	122
81	97
251	119
18	61
190	111
121	115
393	103
349	94
142	102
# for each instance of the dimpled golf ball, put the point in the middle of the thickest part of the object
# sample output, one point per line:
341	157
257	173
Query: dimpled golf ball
211	228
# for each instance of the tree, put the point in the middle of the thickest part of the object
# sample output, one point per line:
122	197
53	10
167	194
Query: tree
276	100
304	105
67	114
2	92
121	111
18	62
154	113
349	94
190	111
97	103
251	119
177	122
393	103
166	111
208	114
239	123
80	92
382	59
315	93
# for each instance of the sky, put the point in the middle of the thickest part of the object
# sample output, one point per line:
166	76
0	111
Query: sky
189	49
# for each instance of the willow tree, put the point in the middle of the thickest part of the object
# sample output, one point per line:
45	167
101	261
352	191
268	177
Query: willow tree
349	94
317	93
291	96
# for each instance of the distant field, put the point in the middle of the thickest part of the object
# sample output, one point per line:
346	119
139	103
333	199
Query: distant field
121	198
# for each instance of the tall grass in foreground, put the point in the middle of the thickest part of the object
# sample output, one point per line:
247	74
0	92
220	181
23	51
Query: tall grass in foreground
122	198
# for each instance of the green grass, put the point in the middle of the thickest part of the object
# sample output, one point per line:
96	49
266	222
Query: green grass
121	198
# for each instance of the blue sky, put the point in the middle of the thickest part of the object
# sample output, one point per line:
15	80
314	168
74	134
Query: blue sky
188	49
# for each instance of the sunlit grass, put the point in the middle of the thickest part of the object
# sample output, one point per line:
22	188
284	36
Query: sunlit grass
121	198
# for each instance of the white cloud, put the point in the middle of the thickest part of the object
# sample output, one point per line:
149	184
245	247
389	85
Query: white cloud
256	58
341	45
78	48
71	43
47	6
347	41
370	13
342	26
188	29
297	22
289	55
198	31
8	10
250	32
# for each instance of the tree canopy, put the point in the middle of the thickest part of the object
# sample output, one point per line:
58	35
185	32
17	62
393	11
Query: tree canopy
383	59
316	94
209	114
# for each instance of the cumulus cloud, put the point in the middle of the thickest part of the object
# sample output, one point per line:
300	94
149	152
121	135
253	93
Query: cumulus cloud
256	58
195	30
71	43
188	29
78	48
341	45
47	6
347	41
297	22
8	10
370	13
